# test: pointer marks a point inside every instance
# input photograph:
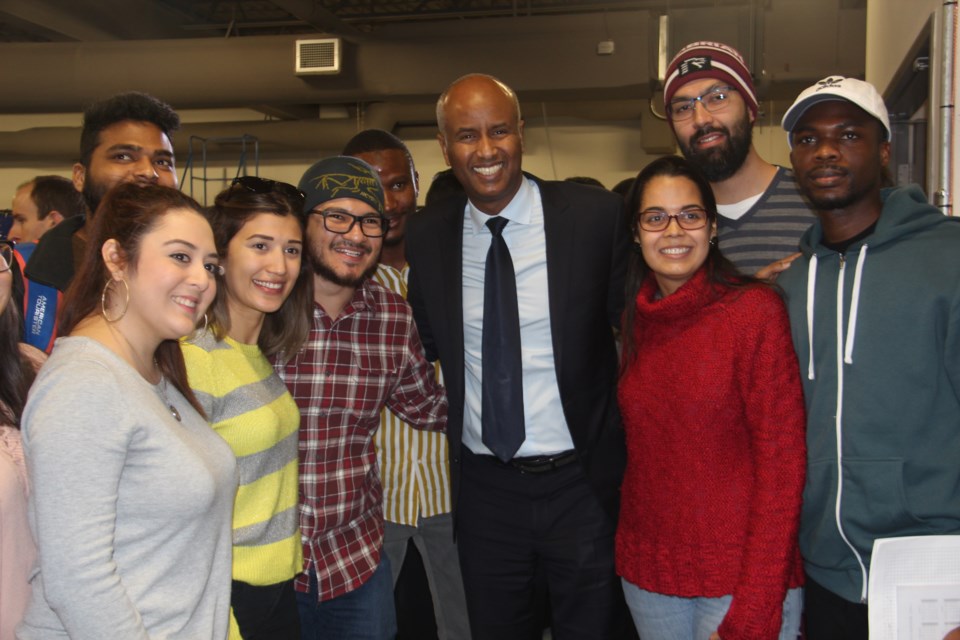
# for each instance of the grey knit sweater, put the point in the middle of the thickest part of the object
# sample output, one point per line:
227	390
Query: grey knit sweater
130	508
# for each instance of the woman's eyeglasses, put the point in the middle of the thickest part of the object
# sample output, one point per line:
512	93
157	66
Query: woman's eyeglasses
256	184
657	220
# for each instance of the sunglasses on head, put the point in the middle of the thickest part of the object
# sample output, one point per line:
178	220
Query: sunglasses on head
6	255
256	184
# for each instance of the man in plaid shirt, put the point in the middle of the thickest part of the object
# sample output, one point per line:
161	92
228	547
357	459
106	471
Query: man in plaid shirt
363	353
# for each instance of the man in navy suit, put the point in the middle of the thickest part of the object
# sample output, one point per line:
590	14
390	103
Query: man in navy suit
540	518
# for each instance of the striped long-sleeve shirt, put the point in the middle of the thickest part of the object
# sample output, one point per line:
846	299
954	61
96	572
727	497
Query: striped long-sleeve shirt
414	464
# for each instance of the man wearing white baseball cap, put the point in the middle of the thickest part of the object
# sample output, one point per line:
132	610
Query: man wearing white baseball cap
874	306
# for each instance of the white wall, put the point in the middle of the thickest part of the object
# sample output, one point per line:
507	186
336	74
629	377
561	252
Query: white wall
892	29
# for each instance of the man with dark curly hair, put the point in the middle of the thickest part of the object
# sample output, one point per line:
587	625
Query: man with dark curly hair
125	138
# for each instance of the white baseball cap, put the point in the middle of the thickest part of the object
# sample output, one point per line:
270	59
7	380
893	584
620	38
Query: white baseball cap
863	94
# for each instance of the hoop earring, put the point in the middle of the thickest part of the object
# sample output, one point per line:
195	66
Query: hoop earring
205	323
103	300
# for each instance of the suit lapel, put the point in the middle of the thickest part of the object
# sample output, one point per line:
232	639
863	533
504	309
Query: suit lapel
560	233
451	260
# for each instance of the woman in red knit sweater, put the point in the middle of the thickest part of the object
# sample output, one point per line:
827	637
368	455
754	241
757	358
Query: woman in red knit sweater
713	411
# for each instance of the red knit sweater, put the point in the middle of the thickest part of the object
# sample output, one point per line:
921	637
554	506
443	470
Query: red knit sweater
714	418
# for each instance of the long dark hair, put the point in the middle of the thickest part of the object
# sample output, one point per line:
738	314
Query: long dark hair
721	272
285	330
16	372
126	214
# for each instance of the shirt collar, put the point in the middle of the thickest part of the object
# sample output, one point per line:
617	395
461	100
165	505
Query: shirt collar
362	299
518	210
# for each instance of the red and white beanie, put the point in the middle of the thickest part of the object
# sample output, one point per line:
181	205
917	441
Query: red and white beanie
710	60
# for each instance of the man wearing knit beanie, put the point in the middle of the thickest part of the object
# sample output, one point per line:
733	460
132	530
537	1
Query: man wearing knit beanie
362	354
711	105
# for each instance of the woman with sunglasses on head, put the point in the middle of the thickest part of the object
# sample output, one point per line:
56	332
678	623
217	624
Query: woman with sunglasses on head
131	490
714	419
261	310
18	365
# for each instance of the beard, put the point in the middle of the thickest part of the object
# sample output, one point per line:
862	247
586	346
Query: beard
720	163
93	193
327	272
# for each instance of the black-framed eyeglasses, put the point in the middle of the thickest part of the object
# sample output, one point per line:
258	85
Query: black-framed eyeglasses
6	255
372	225
256	184
689	219
714	101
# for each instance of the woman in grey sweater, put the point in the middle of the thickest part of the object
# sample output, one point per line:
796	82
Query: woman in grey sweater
131	490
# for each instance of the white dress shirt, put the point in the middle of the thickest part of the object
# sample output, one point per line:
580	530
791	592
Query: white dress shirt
546	427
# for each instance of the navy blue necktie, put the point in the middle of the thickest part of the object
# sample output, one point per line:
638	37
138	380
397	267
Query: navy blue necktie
502	396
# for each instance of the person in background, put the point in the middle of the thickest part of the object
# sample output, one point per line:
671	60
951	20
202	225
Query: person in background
38	206
363	353
874	305
125	138
6	223
587	180
443	185
131	490
713	410
18	365
711	105
41	204
414	464
622	188
259	312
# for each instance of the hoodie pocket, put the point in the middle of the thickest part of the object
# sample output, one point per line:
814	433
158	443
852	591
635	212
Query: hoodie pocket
873	505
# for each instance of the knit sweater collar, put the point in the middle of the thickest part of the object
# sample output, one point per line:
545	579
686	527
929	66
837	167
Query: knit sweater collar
692	296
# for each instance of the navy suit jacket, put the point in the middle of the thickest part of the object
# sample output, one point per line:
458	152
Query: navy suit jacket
587	240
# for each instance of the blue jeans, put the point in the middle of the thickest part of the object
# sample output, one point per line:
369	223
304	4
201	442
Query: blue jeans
674	618
366	613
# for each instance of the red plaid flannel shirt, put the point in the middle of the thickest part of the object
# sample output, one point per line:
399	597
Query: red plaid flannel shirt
350	367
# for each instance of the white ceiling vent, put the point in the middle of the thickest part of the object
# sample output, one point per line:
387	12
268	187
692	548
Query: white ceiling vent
317	57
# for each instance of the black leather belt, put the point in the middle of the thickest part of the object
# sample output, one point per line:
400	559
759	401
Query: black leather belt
543	464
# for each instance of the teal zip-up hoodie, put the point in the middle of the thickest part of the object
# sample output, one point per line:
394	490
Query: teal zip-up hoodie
881	378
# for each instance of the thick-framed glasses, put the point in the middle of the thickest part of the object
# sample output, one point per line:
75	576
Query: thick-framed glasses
714	101
6	256
372	225
689	219
255	184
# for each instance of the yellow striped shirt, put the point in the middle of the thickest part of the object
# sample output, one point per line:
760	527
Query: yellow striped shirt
414	464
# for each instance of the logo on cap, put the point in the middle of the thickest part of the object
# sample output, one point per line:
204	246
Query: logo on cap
340	185
829	83
693	65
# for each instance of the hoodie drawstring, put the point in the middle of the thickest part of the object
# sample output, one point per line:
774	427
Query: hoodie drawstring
854	306
811	291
